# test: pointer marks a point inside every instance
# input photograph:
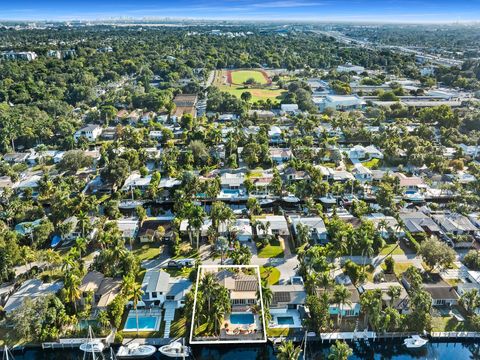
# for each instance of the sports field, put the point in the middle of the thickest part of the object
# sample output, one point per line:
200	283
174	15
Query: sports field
238	77
223	80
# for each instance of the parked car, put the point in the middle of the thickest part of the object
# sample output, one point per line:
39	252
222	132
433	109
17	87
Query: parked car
181	263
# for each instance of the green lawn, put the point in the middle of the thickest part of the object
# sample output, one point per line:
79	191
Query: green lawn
401	267
146	251
389	247
371	163
178	327
274	94
271	251
240	76
271	274
278	332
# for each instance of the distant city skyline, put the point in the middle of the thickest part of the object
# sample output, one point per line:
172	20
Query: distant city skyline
391	11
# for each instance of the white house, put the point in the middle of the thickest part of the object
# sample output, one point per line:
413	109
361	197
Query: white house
280	155
159	287
316	227
90	132
360	153
361	173
243	229
275	224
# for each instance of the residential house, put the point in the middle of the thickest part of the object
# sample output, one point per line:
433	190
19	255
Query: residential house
99	289
261	114
90	132
280	155
243	230
417	222
386	225
289	108
275	135
288	305
232	181
242	289
316	226
276	225
159	287
159	228
361	173
401	304
346	310
135	181
185	104
31	289
362	153
128	228
291	175
470	150
442	293
16	157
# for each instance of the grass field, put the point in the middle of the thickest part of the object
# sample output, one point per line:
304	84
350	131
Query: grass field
271	274
258	93
238	77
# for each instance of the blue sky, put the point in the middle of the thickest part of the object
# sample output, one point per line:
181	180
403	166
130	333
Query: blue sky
308	10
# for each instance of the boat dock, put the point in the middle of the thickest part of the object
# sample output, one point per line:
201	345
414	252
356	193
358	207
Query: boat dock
64	344
455	335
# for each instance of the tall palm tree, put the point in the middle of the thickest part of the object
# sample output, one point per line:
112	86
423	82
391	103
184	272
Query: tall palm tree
71	284
195	221
209	286
83	221
341	297
267	294
288	351
340	351
134	292
81	245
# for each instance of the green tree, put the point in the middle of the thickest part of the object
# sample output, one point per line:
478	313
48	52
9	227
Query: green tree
288	351
340	351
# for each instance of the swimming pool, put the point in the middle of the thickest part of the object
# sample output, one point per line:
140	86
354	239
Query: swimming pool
242	319
145	323
285	320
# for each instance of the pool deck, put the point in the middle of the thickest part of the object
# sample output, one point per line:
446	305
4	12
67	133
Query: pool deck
294	314
243	329
150	313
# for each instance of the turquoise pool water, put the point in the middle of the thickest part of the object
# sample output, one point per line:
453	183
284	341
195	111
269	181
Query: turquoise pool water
242	319
144	323
285	320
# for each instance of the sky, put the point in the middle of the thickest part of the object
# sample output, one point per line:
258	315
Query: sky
400	11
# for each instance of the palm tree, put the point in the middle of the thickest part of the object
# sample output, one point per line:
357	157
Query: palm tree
341	297
195	221
267	294
209	286
470	300
288	351
133	291
71	284
394	293
81	245
103	319
340	351
83	220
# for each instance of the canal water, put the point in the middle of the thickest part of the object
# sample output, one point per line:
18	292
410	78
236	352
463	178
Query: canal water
315	351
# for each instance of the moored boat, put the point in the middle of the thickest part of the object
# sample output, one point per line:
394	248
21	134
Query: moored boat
136	351
175	350
414	342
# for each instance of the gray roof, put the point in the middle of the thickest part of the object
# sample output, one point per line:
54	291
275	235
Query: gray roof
418	222
288	294
31	289
156	281
454	222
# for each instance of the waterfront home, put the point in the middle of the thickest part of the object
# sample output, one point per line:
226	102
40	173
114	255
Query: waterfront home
442	293
280	155
409	182
89	132
287	307
317	231
232	181
401	303
345	310
272	225
31	289
242	288
417	222
261	184
159	287
99	290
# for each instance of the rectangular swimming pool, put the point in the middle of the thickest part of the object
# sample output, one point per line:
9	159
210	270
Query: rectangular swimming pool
285	320
145	323
242	319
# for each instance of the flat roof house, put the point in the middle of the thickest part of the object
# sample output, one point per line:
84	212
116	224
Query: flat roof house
31	289
342	102
277	225
316	226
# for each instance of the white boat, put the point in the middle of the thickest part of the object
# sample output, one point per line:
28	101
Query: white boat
266	202
92	345
136	351
291	199
414	342
175	350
